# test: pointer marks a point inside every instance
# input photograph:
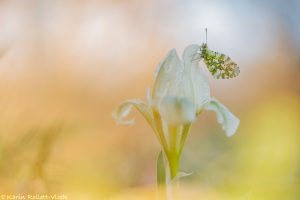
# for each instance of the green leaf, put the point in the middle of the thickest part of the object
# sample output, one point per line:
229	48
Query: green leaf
161	170
184	174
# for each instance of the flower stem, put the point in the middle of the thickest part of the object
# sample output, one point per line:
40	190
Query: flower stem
162	139
185	132
171	185
171	153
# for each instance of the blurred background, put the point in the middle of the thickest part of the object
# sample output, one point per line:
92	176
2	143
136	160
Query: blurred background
66	65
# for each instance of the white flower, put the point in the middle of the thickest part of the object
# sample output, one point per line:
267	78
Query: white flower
181	91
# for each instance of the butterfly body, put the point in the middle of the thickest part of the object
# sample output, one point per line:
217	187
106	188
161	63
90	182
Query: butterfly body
219	65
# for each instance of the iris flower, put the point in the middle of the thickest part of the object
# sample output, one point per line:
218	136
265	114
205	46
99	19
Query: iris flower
180	93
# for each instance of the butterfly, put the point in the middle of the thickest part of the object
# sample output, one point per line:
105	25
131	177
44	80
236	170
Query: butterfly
219	65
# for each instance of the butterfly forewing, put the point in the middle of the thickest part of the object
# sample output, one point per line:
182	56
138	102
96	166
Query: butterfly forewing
219	65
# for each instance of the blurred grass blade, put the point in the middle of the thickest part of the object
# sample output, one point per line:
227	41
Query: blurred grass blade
161	170
184	174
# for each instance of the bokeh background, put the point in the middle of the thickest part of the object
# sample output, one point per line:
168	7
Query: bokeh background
66	65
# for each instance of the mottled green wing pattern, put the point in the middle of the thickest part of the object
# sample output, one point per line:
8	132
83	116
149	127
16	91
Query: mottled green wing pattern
219	65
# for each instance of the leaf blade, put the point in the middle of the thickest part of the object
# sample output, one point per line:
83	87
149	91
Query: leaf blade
161	170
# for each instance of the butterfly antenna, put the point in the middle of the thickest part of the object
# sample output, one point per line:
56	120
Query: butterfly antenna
206	35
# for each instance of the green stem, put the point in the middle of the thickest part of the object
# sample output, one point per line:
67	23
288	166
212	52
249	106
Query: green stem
173	151
160	131
172	186
185	132
173	164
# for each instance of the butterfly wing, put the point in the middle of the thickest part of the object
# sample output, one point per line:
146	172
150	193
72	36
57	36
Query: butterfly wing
220	65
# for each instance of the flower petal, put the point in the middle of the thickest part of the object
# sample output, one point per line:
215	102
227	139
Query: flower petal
200	86
170	79
148	96
177	110
124	109
228	120
170	61
192	53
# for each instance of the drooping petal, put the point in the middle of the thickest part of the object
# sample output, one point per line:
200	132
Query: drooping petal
177	110
228	120
200	85
124	109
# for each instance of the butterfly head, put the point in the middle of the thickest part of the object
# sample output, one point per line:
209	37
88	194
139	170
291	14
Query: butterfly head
203	50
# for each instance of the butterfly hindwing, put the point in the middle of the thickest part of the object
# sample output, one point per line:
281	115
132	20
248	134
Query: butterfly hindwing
219	65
